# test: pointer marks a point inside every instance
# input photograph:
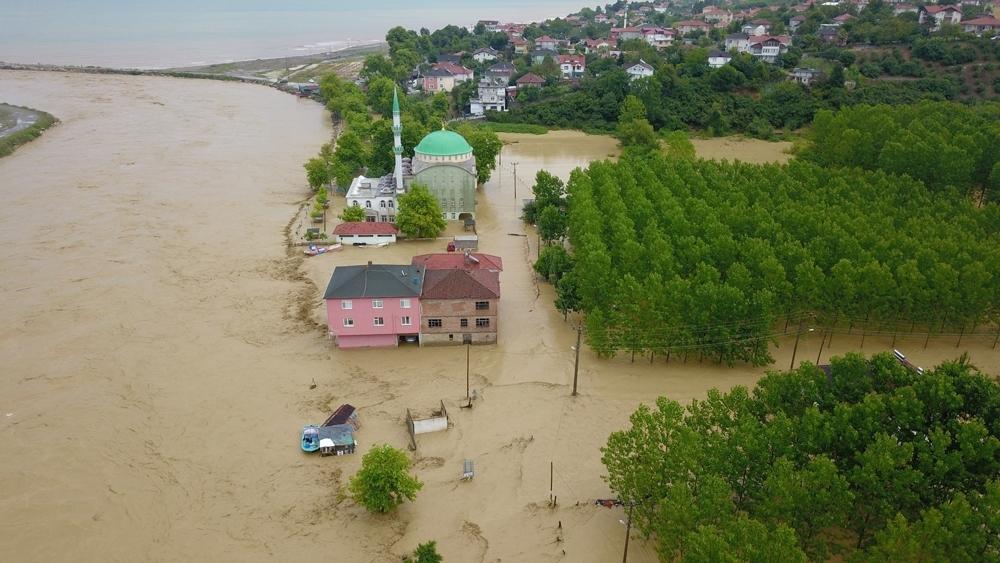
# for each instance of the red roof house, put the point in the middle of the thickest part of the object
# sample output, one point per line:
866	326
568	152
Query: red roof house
458	261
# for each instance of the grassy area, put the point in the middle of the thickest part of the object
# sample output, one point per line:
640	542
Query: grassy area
528	128
10	142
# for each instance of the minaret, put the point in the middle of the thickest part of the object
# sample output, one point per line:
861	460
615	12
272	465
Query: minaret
397	147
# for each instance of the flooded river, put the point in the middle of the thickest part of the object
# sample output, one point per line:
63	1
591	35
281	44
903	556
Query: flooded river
161	348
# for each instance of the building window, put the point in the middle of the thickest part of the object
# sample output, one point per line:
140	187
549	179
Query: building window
348	322
482	323
482	305
434	323
385	219
405	321
381	203
355	203
368	204
391	204
404	303
463	323
379	321
376	303
346	304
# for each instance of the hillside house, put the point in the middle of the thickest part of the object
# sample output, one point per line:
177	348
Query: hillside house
756	27
657	36
520	46
571	66
768	47
502	70
794	22
600	46
984	24
491	26
485	54
738	42
546	43
618	34
538	56
491	95
904	8
688	26
530	80
374	305
444	76
718	59
641	69
804	76
718	16
937	16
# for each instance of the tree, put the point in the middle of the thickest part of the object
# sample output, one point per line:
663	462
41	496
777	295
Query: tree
425	553
419	213
486	145
380	89
383	483
317	172
551	223
352	214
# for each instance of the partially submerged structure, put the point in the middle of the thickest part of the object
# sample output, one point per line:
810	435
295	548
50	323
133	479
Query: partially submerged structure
434	421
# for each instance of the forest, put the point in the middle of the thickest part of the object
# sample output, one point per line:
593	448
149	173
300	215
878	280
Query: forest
866	461
673	255
941	144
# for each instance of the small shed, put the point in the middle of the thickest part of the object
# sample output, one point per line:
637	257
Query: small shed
435	421
365	233
337	440
345	414
466	242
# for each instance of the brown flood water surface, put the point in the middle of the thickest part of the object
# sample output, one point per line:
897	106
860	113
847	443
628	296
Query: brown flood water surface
158	361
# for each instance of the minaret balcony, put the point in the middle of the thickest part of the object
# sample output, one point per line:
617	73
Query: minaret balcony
397	129
398	150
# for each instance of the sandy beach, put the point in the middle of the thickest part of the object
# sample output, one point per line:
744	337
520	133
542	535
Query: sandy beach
161	340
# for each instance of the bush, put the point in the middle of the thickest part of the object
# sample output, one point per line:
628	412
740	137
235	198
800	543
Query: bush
425	553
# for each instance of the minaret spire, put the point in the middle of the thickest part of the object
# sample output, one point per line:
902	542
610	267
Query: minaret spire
397	138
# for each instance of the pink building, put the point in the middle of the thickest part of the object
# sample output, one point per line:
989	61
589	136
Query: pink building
374	305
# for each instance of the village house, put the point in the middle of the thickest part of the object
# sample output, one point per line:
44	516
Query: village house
718	59
601	46
756	27
538	56
513	30
618	34
657	36
492	95
374	305
641	69
520	46
738	42
453	58
983	24
794	22
460	298
530	80
365	233
485	54
491	26
444	76
903	8
718	16
546	43
688	26
571	66
843	18
804	76
939	15
601	18
768	47
502	70
830	33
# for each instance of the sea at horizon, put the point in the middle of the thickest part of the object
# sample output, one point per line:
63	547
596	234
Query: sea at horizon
127	34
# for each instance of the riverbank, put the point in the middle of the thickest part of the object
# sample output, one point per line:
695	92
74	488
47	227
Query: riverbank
20	125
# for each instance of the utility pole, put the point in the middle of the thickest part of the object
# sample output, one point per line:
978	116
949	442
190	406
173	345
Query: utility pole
576	365
515	181
798	334
468	347
821	341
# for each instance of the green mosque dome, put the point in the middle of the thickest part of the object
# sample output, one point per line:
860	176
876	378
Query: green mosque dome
443	143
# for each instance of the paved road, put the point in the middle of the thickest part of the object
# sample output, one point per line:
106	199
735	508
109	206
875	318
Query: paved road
18	118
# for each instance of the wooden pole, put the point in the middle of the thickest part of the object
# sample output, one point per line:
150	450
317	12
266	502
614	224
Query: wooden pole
821	340
798	334
551	472
576	364
960	334
468	348
515	181
628	532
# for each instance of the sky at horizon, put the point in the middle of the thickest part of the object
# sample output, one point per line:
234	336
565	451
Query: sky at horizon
184	32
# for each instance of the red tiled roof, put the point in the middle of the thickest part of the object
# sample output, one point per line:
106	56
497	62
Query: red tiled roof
461	284
572	59
545	38
936	9
531	79
983	20
365	228
783	39
453	68
457	261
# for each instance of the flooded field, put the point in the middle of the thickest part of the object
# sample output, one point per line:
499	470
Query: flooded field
162	348
745	149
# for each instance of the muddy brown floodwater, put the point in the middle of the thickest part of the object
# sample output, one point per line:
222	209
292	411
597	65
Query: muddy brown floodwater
158	360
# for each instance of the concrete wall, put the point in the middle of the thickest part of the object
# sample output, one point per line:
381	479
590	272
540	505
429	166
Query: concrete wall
457	338
368	341
426	425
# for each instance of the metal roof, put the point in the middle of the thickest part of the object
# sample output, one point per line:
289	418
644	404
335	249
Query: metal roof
375	280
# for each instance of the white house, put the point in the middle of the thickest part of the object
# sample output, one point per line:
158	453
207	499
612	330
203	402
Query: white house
492	95
485	54
641	69
365	233
737	42
377	196
940	15
983	24
572	66
717	59
768	47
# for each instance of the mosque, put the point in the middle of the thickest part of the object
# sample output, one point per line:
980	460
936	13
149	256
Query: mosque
442	161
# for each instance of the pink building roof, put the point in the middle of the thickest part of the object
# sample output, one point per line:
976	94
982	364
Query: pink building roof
458	261
365	228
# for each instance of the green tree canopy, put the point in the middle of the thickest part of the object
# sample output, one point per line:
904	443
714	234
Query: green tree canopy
383	483
352	214
419	213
